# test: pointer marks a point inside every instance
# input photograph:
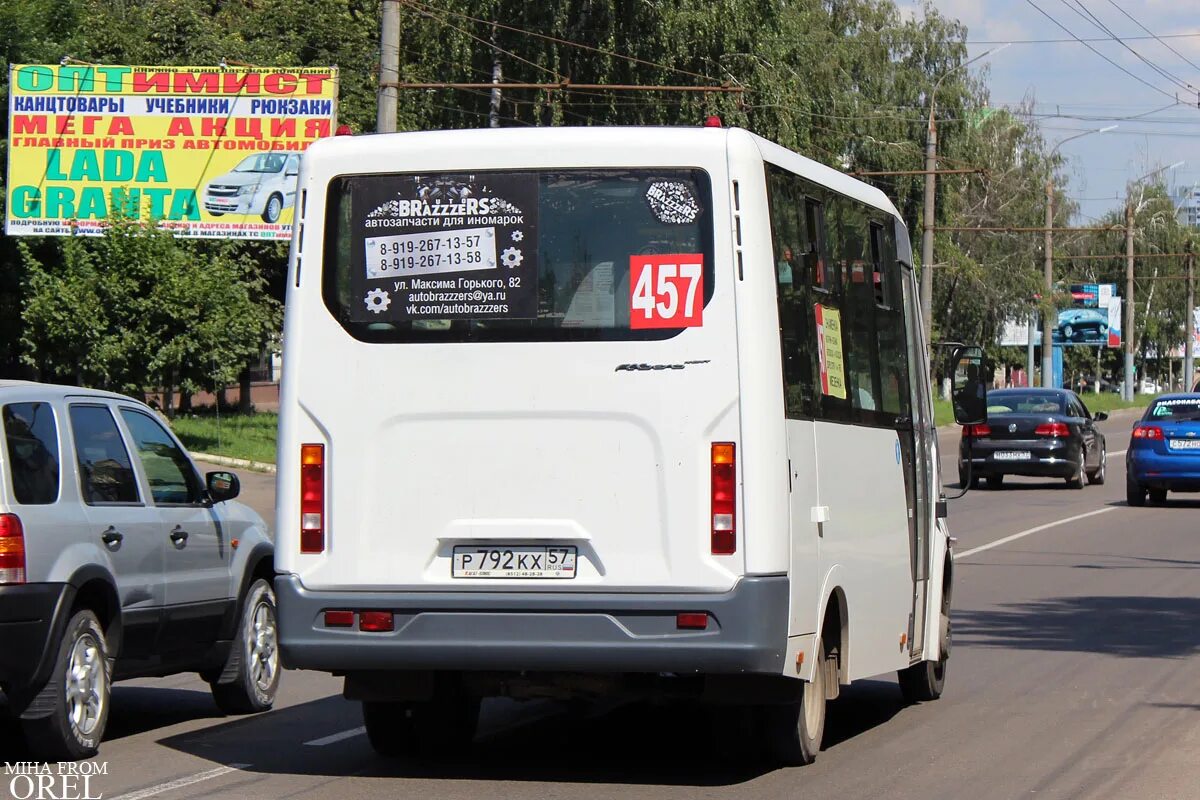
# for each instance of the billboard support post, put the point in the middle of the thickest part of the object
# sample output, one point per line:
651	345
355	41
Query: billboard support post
1029	349
1048	268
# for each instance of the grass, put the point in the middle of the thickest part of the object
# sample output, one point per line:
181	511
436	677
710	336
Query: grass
251	437
943	413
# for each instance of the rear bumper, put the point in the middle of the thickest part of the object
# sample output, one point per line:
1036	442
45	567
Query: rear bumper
1176	472
542	631
1053	458
27	615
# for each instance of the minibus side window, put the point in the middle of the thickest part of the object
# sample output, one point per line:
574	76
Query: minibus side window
889	322
793	279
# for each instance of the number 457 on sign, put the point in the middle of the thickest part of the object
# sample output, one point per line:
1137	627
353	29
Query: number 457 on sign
666	291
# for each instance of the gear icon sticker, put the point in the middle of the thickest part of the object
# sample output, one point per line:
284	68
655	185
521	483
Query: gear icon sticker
512	257
518	236
377	301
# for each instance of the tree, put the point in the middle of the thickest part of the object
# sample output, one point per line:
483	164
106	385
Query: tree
137	309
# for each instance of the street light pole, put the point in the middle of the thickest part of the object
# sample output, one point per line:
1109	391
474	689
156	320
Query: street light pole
1050	315
1127	389
1189	347
389	67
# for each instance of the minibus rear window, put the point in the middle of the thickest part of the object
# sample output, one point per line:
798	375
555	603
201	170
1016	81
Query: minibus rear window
613	254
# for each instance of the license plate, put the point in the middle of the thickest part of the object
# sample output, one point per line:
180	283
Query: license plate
1011	455
515	561
1183	444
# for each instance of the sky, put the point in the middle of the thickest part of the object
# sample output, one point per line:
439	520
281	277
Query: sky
1077	90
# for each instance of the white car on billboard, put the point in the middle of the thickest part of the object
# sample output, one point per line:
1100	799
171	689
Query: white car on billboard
262	184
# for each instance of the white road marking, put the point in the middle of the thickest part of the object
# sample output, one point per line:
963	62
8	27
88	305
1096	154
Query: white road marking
1118	452
337	737
179	783
1032	531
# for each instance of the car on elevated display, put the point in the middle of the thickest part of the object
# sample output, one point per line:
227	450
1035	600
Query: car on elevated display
1081	325
263	184
1164	450
1035	432
117	560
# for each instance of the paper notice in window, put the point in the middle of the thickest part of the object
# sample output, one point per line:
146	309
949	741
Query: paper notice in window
829	350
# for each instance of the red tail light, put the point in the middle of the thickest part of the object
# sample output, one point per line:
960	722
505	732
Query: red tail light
312	498
376	621
976	431
1054	429
12	549
691	621
339	619
1147	432
724	499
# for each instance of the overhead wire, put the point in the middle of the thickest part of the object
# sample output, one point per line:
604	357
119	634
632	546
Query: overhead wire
1157	38
633	59
1072	34
1083	11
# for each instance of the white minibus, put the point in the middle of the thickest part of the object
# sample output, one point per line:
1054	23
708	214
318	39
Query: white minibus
603	412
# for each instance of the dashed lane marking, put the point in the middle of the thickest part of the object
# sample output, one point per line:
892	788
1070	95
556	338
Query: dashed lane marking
337	737
180	783
1031	531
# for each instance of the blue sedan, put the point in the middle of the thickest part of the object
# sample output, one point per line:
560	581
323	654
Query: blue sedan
1164	451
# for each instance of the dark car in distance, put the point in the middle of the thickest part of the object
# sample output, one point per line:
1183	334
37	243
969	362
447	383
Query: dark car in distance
1045	433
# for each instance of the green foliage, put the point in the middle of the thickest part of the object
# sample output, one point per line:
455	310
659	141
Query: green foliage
137	309
846	82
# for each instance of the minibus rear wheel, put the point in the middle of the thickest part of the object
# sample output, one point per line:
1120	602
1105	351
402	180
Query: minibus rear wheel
794	731
437	727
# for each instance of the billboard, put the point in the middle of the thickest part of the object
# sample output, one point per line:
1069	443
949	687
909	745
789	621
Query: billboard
1094	320
204	151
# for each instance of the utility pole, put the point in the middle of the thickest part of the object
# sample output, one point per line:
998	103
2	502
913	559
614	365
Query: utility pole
494	107
1189	347
389	67
927	234
930	192
1049	316
1128	301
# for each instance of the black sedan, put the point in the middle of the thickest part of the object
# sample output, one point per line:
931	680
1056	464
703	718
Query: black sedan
1046	433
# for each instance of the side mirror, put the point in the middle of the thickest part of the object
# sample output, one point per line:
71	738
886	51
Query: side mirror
223	486
970	387
1100	416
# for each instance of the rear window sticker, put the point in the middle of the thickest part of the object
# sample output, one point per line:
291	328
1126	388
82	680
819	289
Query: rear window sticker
673	202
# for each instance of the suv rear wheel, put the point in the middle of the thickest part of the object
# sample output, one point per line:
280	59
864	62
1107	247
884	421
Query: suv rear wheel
254	658
76	695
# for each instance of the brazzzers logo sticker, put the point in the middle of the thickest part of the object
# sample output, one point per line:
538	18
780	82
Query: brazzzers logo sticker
446	199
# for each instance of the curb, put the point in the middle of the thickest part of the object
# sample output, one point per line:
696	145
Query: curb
226	461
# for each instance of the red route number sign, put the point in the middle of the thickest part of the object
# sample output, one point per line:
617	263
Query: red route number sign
666	291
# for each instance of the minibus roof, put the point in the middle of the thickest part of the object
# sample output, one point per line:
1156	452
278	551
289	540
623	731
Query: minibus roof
603	143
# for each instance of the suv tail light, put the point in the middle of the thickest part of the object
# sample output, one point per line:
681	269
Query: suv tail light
724	499
312	498
976	431
1054	429
1147	432
12	549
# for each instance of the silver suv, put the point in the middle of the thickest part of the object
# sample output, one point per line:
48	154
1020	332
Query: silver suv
118	561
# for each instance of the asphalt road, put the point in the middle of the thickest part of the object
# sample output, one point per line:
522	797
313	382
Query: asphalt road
1075	674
